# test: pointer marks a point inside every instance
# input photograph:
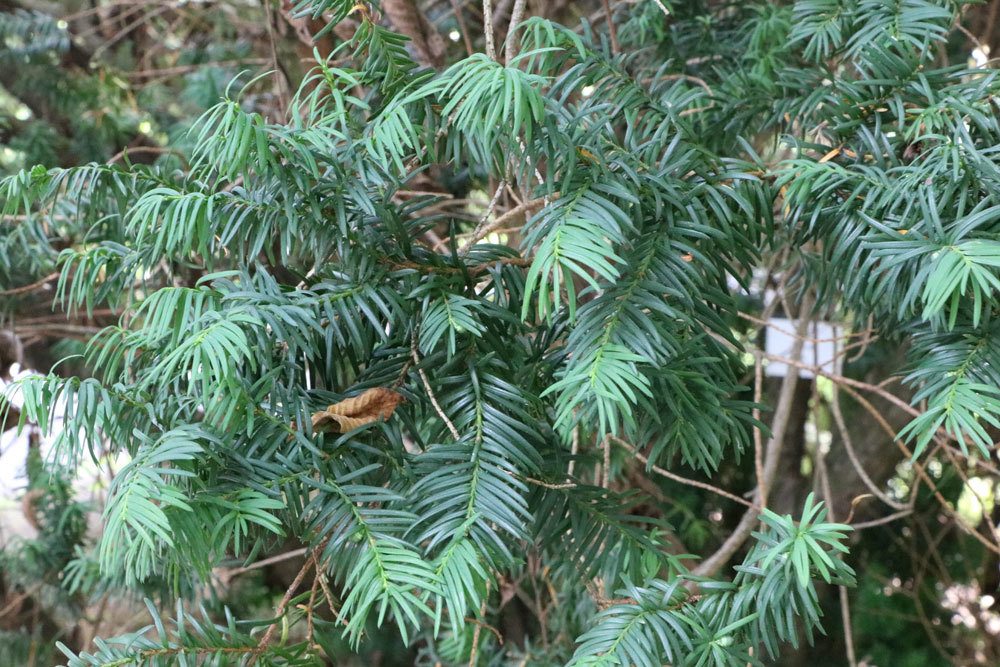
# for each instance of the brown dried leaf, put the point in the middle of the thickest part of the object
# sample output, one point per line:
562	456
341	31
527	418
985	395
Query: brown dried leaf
354	412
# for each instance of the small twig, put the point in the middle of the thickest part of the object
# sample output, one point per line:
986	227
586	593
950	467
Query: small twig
489	627
184	69
772	454
547	485
845	437
281	88
28	288
687	77
515	17
156	150
145	18
477	233
845	607
758	438
457	9
482	231
882	521
965	31
945	505
666	12
612	30
288	555
310	642
430	392
574	449
691	112
679	479
606	470
857	500
280	611
18	599
325	585
491	49
482	610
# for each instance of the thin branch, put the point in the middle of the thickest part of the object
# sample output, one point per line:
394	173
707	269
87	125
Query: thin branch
679	479
125	30
473	653
779	425
845	438
478	231
280	610
783	408
612	30
430	392
845	607
515	18
14	604
574	449
29	288
184	69
663	7
462	28
883	520
496	633
155	150
482	232
288	555
548	485
758	437
491	49
606	469
281	87
921	472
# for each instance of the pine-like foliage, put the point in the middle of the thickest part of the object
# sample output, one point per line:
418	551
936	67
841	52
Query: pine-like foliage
290	263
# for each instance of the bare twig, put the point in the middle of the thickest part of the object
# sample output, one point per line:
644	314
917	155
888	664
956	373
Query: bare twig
921	472
477	233
666	12
861	525
281	87
606	469
473	653
612	30
288	555
482	231
491	49
155	150
574	449
184	69
279	612
678	478
430	392
460	20
758	438
547	485
845	438
29	288
779	425
515	17
845	607
496	633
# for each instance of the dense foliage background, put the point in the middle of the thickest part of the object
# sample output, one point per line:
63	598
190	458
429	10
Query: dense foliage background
439	333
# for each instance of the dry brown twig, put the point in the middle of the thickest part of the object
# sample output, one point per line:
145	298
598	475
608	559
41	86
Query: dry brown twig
678	478
430	392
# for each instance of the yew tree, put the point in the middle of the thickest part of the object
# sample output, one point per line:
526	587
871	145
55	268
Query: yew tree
463	307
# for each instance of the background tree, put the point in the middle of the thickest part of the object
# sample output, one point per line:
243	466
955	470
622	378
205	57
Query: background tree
434	333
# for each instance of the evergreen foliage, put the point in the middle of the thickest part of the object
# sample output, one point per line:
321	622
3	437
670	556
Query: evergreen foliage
284	264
